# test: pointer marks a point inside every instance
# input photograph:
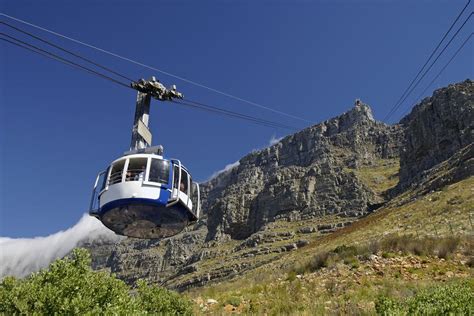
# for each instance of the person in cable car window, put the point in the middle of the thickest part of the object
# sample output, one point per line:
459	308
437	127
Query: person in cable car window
181	187
140	176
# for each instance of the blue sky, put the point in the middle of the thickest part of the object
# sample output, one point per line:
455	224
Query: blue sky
60	126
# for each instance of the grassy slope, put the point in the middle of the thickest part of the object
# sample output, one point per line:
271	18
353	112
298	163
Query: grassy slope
343	288
381	176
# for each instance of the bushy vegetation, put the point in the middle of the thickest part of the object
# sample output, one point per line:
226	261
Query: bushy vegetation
441	247
452	299
233	300
346	254
343	290
71	287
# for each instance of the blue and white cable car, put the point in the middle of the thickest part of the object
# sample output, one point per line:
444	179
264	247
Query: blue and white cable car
142	194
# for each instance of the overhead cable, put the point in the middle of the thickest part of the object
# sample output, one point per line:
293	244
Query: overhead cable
66	51
248	116
410	87
432	64
45	53
224	112
440	72
158	70
17	42
432	54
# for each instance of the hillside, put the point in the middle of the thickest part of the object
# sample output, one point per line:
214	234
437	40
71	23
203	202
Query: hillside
308	178
350	181
352	282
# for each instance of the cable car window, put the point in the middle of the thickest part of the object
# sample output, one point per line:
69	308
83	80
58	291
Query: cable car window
183	186
159	171
104	180
191	191
117	171
136	169
175	176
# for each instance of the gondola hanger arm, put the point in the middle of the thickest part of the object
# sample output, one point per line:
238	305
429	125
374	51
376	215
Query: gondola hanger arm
156	89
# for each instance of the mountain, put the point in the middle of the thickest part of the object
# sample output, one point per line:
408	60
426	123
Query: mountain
435	130
350	179
303	176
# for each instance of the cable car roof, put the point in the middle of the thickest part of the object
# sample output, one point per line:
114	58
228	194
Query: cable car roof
146	156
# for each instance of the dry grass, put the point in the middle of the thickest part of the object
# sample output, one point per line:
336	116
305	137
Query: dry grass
380	176
434	226
391	246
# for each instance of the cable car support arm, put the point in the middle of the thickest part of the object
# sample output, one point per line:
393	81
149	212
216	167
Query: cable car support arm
141	134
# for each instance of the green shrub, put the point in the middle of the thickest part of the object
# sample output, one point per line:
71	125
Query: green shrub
447	246
234	301
373	247
346	251
387	306
319	261
388	255
452	299
300	268
455	200
352	261
291	276
427	246
69	286
156	300
343	253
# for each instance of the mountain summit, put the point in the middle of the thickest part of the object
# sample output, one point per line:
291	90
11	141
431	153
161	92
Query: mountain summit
303	176
325	180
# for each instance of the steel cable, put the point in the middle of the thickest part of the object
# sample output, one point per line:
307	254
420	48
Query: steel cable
441	71
66	51
45	53
190	103
404	94
156	69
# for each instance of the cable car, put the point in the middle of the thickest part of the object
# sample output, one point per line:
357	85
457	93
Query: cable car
142	194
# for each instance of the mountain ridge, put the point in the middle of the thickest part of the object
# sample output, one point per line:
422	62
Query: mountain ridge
309	184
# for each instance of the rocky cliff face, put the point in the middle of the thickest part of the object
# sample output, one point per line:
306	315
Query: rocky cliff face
310	183
436	129
303	176
154	260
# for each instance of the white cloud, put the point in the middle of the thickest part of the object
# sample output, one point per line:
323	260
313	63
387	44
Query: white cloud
274	140
226	168
22	256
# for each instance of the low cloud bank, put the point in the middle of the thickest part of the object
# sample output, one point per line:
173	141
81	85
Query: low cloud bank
226	168
273	140
22	256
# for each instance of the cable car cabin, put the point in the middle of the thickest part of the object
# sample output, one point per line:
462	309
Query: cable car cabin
145	196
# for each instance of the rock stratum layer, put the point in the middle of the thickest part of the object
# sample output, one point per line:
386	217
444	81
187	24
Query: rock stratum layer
313	182
436	129
302	176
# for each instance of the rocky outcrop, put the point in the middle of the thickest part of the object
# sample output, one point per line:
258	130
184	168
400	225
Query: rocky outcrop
302	179
435	130
303	176
153	260
457	168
